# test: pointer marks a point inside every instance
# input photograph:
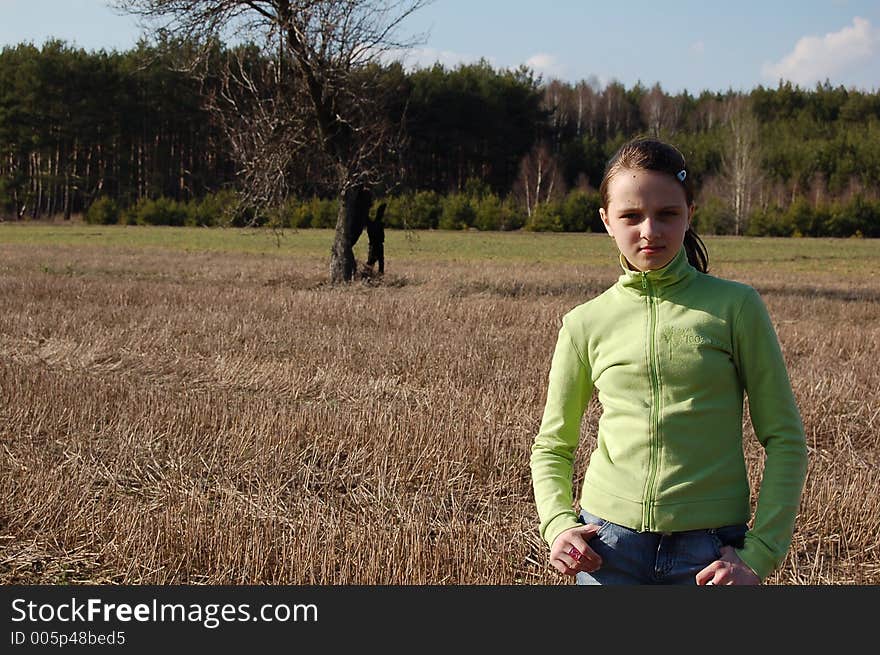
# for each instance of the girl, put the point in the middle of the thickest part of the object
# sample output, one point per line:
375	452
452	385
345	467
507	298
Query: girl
670	351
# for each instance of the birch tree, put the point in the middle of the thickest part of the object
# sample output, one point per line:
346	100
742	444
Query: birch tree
740	158
539	179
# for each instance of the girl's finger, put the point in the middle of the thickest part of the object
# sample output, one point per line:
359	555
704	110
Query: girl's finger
707	575
568	561
588	555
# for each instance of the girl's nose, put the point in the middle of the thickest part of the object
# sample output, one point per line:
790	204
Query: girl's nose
649	227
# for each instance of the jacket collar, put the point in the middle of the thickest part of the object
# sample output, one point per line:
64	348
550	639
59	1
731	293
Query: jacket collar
677	274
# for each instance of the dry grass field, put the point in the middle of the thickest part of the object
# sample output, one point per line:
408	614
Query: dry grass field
178	411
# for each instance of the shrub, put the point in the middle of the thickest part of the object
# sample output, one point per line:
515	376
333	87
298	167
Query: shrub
314	212
488	212
324	212
821	218
546	218
513	217
301	214
161	211
476	188
714	216
213	209
804	219
458	213
771	222
579	212
417	211
426	209
856	216
104	211
7	205
396	210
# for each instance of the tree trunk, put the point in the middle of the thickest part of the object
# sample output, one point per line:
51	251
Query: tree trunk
38	177
354	207
67	209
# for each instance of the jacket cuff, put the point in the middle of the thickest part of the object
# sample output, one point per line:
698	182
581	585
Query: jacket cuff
558	525
757	559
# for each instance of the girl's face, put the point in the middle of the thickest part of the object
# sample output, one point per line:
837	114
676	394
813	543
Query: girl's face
648	216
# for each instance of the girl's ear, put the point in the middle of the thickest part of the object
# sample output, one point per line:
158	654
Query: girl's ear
691	211
604	218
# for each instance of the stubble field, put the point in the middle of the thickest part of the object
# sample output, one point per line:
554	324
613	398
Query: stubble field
199	406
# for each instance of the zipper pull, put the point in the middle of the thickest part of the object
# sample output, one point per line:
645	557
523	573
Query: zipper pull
644	281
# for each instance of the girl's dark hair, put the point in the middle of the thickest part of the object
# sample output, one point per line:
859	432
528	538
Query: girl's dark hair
643	154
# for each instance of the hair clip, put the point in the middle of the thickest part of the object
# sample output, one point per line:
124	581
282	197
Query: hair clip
681	175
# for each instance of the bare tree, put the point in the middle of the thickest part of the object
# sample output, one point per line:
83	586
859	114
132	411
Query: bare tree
660	112
708	112
616	108
652	106
589	102
321	94
557	100
740	158
539	178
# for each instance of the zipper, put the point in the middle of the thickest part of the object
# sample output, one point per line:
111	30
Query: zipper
654	425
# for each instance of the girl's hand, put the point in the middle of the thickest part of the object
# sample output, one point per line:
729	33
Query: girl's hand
570	553
729	570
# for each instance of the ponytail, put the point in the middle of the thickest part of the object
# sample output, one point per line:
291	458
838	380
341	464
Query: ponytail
697	254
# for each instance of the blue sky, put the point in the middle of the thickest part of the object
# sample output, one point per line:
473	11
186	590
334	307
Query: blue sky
685	44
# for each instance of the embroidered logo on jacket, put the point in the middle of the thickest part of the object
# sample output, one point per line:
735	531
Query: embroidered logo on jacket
677	336
684	339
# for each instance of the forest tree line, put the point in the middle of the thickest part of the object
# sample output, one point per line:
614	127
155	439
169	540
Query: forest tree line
125	137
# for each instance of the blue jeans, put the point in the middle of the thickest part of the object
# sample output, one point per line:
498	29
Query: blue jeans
632	557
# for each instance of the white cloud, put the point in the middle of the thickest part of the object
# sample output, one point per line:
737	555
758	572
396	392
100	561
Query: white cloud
545	64
832	56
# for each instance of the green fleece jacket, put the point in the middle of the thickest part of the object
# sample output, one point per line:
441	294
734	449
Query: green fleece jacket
670	353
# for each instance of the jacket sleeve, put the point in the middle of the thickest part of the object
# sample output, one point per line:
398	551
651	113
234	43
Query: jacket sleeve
778	427
552	461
